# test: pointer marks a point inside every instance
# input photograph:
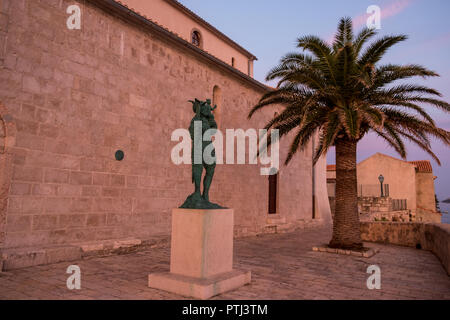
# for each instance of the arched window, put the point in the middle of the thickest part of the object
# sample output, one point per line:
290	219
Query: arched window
217	100
196	38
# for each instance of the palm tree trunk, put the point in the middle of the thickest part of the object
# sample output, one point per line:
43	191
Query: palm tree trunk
346	232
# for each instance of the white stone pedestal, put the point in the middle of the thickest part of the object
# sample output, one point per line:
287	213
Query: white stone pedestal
201	258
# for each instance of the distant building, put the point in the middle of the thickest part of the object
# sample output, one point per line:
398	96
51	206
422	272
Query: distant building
412	181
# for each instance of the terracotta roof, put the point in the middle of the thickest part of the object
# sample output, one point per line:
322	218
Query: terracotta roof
422	165
331	167
117	8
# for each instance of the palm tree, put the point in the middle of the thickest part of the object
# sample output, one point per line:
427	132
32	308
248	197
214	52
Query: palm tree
342	92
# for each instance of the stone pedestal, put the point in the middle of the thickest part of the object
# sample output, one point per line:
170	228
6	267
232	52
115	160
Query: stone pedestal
201	259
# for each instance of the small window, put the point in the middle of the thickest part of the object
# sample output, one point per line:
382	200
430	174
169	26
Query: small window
196	39
232	62
250	68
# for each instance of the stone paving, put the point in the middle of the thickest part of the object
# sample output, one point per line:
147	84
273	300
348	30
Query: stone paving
283	267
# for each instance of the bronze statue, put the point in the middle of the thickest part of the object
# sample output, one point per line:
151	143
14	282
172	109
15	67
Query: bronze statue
204	117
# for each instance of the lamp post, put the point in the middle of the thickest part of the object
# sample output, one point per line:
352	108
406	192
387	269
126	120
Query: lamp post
381	179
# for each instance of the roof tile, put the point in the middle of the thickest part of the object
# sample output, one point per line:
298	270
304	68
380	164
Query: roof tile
422	165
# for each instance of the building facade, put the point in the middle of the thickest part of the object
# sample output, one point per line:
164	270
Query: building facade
187	25
71	99
411	182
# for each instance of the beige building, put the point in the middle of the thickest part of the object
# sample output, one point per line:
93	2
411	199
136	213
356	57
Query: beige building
71	99
412	181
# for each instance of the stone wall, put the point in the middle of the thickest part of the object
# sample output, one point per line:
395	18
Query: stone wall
428	216
394	216
374	204
383	209
434	237
379	209
78	96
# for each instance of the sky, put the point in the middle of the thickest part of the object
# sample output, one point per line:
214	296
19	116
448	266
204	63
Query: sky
269	30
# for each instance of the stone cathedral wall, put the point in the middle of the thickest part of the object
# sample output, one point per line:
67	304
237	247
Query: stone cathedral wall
77	96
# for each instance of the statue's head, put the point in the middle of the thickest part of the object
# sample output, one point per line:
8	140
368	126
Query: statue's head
206	110
203	108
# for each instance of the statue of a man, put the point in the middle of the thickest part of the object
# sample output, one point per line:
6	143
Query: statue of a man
203	120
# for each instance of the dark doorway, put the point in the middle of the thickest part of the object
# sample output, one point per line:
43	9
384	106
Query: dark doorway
273	185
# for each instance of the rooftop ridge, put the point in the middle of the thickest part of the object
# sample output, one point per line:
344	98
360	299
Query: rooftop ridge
421	165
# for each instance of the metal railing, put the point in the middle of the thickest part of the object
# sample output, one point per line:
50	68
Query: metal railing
372	190
399	204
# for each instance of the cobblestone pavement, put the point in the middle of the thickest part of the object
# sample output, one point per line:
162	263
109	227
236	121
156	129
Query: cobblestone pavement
283	267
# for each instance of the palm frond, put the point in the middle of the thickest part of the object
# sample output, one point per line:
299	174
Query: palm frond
362	38
375	52
344	34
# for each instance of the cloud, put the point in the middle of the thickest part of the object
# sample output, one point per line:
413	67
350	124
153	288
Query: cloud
389	11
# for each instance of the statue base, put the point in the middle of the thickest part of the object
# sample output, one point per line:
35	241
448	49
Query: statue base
201	260
196	201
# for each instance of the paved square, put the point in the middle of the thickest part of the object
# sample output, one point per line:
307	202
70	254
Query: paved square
283	267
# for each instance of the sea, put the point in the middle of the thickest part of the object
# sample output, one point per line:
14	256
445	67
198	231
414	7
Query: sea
445	207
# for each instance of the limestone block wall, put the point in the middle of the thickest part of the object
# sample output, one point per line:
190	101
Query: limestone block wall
396	216
434	237
78	96
372	204
384	208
